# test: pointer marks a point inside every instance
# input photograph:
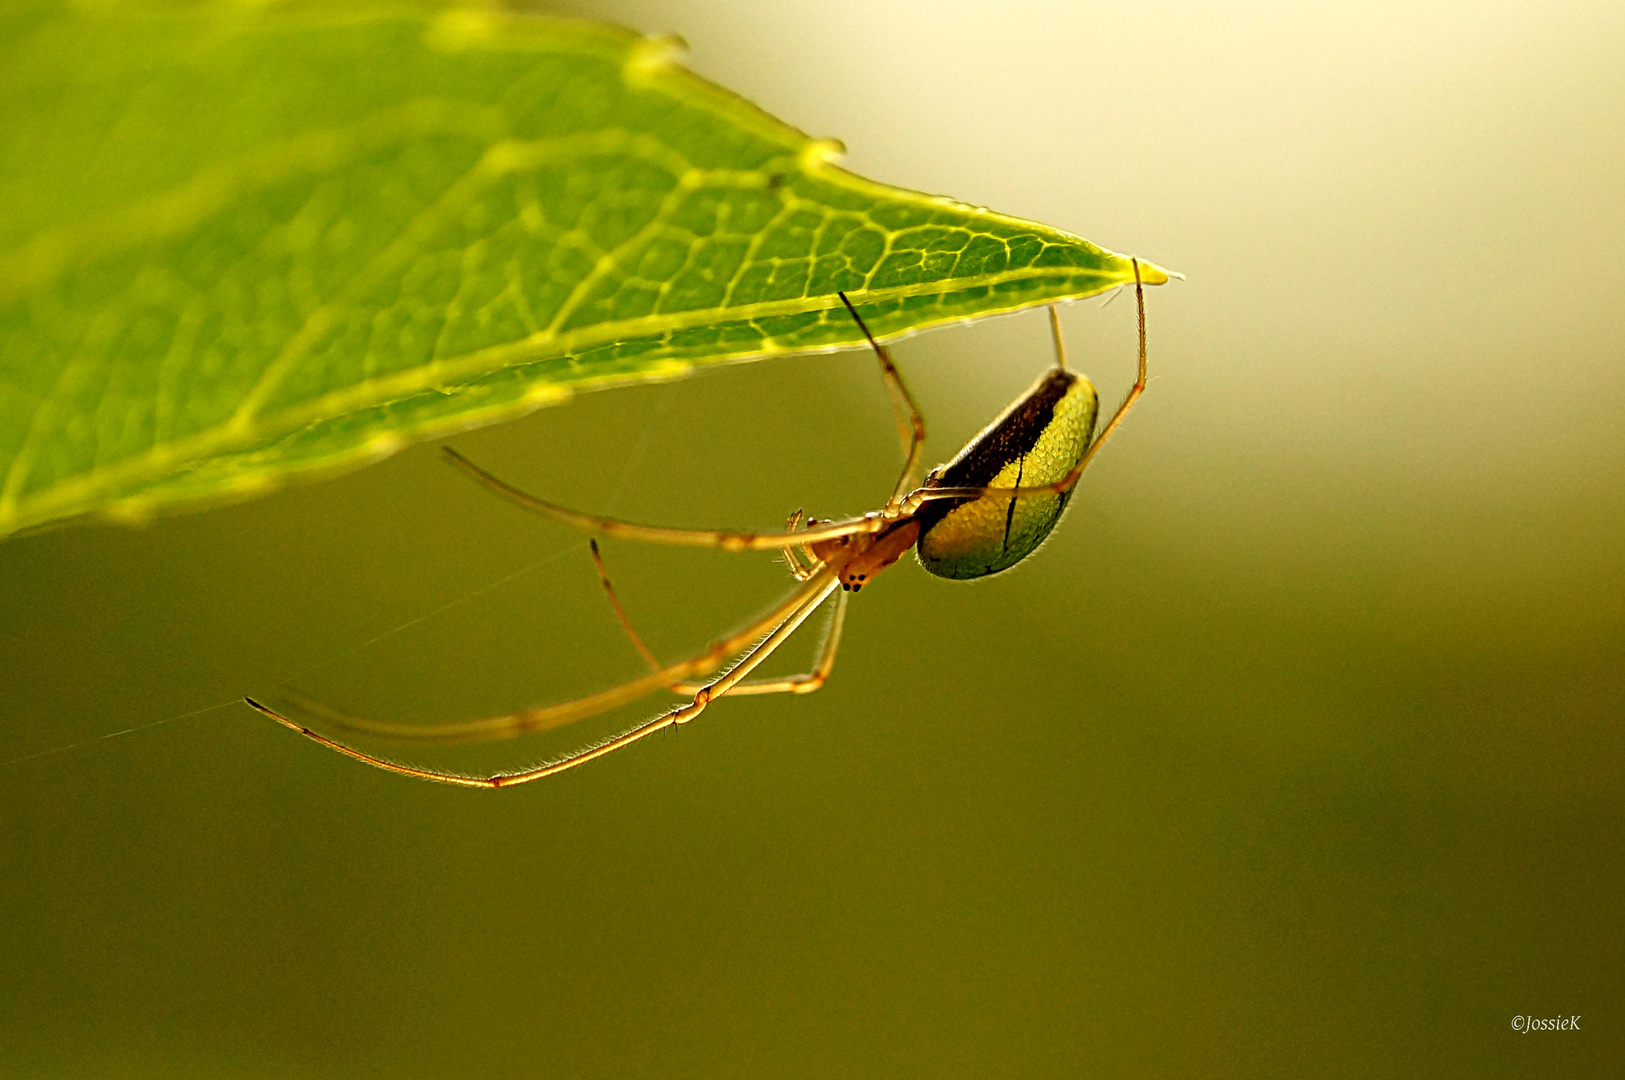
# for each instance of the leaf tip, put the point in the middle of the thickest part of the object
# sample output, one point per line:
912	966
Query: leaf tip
819	153
1152	274
652	56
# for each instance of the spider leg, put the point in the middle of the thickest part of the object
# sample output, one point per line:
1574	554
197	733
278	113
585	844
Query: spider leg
728	541
910	424
794	684
620	612
792	555
805	601
1055	332
821	585
1129	399
546	717
921	496
803	553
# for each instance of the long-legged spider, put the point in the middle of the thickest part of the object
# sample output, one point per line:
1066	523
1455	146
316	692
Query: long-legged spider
983	512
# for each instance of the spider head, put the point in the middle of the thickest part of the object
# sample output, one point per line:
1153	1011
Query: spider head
865	555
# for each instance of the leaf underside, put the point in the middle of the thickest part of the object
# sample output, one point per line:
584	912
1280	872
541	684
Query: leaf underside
237	246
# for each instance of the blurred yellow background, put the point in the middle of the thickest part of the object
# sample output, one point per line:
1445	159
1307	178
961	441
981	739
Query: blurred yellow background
1295	752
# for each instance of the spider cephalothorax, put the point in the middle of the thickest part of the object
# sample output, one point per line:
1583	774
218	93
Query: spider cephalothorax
857	558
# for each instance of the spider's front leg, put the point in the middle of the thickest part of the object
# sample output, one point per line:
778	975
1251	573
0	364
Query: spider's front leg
658	534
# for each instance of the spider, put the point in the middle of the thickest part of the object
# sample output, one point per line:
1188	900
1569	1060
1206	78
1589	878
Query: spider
982	512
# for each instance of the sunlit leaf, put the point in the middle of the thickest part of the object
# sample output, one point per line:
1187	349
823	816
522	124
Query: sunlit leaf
240	244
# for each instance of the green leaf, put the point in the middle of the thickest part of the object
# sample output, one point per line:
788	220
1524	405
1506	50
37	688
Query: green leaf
238	244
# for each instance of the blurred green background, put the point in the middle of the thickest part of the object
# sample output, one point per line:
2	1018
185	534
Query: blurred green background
1296	752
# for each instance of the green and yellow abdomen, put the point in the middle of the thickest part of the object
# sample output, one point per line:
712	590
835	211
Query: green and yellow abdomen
1038	440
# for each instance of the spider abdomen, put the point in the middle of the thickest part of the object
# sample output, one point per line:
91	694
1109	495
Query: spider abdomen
1036	441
